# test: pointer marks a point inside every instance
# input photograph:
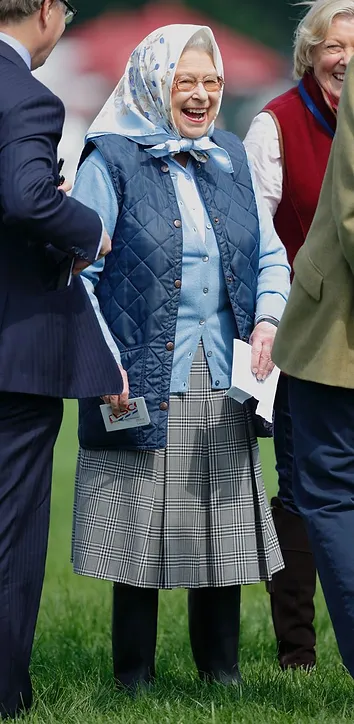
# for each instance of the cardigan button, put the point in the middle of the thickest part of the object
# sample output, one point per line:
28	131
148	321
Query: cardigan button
164	406
177	223
178	283
216	220
170	346
229	279
165	169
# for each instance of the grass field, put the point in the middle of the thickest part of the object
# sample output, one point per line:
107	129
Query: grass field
72	664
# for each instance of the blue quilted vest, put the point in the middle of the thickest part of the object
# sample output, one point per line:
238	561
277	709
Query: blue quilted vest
139	289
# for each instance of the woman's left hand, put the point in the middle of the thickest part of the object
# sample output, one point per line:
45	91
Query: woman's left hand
262	339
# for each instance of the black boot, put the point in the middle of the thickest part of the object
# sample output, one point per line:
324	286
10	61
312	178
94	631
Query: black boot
214	625
134	631
292	591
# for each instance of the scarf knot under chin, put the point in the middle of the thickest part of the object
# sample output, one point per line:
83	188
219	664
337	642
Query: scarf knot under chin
200	148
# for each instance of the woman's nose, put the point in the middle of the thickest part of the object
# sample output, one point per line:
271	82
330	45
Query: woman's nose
347	56
200	92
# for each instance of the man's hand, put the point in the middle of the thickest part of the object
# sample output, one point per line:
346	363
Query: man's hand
106	247
119	402
66	187
262	339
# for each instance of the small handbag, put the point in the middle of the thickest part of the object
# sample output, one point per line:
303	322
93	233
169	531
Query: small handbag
262	427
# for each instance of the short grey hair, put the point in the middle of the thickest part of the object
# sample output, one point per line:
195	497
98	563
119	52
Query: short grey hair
313	29
200	41
13	11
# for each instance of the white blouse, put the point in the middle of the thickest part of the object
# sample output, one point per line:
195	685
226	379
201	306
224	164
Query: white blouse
263	150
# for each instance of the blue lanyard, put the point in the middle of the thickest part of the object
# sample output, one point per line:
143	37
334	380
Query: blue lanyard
313	109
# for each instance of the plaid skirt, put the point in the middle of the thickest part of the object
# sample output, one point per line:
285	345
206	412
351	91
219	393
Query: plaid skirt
186	516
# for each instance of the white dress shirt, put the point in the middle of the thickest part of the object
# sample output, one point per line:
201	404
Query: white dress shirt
263	150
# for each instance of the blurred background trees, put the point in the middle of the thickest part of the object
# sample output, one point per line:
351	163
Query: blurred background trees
255	38
270	21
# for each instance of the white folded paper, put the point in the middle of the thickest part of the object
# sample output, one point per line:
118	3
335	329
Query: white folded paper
244	384
135	415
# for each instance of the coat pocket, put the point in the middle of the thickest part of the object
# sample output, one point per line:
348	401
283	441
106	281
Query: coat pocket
308	274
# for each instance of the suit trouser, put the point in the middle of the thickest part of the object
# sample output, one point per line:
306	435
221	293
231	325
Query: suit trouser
29	425
283	445
323	422
292	589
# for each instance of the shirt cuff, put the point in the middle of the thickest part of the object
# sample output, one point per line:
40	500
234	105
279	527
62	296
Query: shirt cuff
101	240
270	305
270	320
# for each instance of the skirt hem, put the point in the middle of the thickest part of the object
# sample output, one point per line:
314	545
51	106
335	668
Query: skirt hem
240	581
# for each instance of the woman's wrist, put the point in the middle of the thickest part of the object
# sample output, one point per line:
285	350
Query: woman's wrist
270	320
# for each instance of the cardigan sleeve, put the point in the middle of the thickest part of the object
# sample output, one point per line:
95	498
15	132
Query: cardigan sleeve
274	271
263	149
93	187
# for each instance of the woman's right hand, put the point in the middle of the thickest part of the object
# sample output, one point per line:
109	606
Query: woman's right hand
119	402
262	339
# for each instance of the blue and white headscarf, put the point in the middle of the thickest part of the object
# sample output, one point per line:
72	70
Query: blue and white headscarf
140	106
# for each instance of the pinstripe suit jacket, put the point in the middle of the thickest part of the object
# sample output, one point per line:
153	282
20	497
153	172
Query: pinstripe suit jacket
50	340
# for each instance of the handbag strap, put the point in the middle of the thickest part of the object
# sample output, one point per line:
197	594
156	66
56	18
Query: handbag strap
249	446
311	105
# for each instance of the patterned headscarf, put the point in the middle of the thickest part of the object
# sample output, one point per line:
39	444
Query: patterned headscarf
140	106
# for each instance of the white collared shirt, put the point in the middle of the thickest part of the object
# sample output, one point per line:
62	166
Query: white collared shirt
263	150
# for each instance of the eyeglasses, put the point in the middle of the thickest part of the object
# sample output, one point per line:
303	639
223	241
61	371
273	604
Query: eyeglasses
211	85
70	12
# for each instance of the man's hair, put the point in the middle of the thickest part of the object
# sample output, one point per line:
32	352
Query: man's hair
13	11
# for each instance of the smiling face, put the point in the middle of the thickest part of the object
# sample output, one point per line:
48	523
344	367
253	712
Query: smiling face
194	110
330	58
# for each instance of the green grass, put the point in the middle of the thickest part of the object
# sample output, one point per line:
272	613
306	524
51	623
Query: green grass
72	659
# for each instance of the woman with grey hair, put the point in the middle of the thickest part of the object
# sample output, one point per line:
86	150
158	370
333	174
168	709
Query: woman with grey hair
289	144
195	263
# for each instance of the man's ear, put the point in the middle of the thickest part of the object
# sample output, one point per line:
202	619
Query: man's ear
46	11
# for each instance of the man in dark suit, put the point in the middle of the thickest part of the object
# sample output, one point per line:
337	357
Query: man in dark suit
51	345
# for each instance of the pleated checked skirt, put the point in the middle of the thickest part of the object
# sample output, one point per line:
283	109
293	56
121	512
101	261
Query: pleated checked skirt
185	516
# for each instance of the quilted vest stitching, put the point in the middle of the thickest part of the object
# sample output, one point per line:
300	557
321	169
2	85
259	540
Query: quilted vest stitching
136	290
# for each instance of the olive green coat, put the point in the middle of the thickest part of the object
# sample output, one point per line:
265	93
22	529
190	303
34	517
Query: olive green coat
315	338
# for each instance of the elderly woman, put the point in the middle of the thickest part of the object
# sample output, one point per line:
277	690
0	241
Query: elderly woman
289	144
180	502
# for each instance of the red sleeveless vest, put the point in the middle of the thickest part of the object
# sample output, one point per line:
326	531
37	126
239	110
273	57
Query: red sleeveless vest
306	146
